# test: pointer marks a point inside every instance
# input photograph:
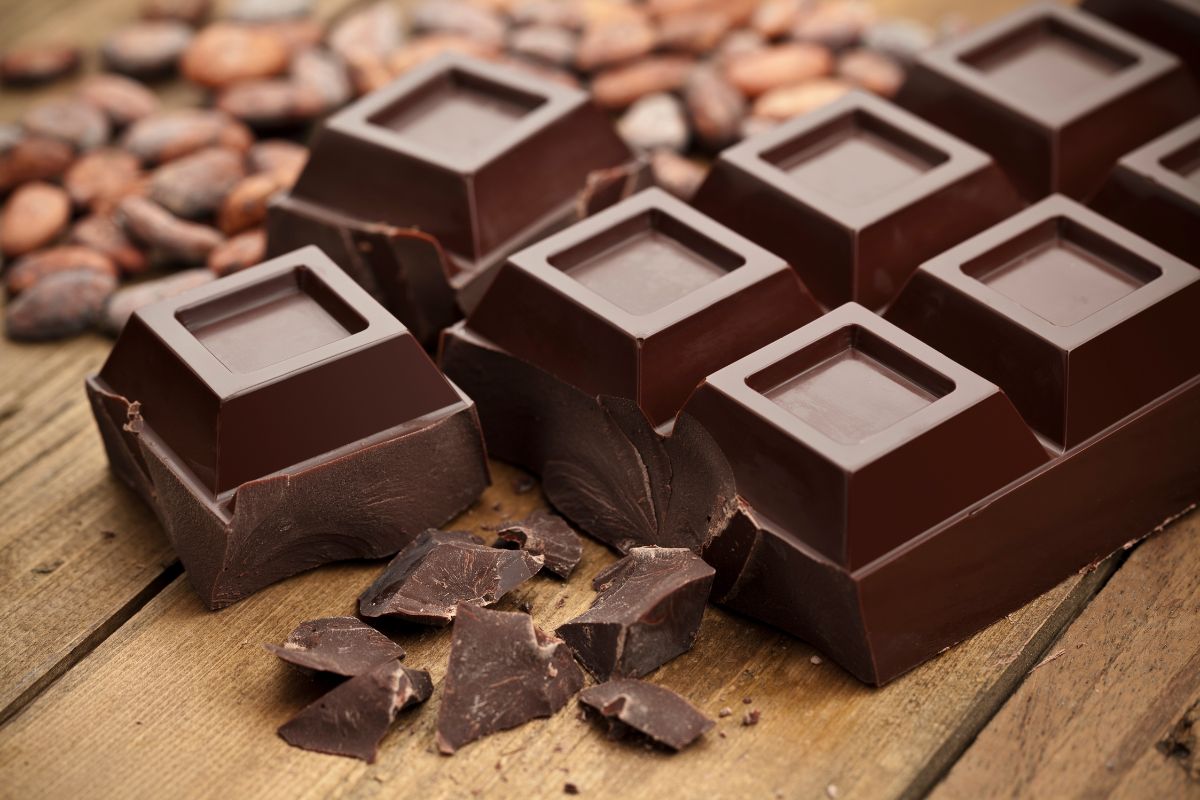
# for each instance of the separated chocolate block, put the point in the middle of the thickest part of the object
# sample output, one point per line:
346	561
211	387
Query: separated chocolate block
1056	95
1080	321
855	437
1155	192
641	301
281	418
1171	24
482	159
855	196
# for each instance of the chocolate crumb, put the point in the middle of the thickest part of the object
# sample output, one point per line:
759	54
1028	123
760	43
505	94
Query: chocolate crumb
751	717
570	788
747	700
725	712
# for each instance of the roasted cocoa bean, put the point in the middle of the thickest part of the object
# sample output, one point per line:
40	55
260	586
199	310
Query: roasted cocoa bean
271	103
545	43
775	18
125	301
871	70
123	100
245	206
260	11
101	232
34	216
38	265
167	135
656	121
695	32
286	159
242	251
715	107
224	54
323	72
430	47
366	37
612	43
193	12
102	177
781	65
790	101
171	239
25	158
78	123
146	50
835	23
677	174
459	18
194	186
61	305
30	65
621	86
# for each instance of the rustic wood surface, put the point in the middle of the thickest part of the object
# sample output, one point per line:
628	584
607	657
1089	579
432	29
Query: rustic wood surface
114	682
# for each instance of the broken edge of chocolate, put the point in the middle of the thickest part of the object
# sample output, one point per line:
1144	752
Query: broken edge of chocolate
656	713
336	645
546	534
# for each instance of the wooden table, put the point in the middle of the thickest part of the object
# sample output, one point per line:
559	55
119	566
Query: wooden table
115	682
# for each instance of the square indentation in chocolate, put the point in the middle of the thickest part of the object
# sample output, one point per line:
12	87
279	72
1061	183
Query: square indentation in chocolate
856	159
273	321
1185	162
646	262
1061	272
457	112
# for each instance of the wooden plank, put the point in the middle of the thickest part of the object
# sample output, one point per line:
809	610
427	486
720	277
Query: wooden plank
1096	720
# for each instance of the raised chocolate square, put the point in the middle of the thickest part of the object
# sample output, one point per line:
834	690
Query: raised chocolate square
1171	24
641	301
1080	321
855	196
1054	94
854	437
1155	192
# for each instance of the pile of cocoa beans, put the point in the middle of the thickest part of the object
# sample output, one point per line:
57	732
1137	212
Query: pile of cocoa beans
103	184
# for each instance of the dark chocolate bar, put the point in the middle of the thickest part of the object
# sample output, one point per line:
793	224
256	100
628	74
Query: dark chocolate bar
1056	95
1171	24
279	419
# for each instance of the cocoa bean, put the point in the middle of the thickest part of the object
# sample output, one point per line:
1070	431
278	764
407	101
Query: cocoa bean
223	54
458	18
101	232
715	107
552	13
271	103
61	305
125	301
194	186
192	12
780	65
871	70
171	239
167	135
79	124
618	87
246	204
34	216
123	100
738	43
656	121
34	64
365	38
677	174
236	254
296	34
429	47
774	18
694	31
26	158
285	159
38	265
101	177
612	43
146	50
541	69
546	43
902	39
834	24
259	11
790	101
607	12
324	73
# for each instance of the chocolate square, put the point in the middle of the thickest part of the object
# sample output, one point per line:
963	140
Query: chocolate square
1080	321
1171	24
855	196
1054	94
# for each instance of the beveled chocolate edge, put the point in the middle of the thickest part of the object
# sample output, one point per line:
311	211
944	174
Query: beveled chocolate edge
161	319
1151	62
354	120
968	388
757	264
1176	273
962	159
1147	160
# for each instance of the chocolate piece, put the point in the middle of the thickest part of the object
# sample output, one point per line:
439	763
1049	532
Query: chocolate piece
548	535
657	713
500	156
279	419
1054	94
839	431
353	718
648	611
1079	321
1171	24
444	570
1155	192
336	645
503	672
855	196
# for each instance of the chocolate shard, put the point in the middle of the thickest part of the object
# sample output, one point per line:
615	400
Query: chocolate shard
441	570
503	672
658	714
352	719
648	611
545	534
336	645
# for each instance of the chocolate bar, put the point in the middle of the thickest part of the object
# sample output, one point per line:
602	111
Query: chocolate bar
1155	191
1171	24
422	188
1056	95
279	419
855	196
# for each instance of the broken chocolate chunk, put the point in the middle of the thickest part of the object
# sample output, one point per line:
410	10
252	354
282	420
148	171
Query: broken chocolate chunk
352	719
442	569
336	645
660	715
648	612
503	672
546	534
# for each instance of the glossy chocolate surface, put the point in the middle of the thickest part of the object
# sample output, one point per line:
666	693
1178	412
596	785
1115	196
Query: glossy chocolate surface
1079	321
1171	24
855	196
641	301
1054	94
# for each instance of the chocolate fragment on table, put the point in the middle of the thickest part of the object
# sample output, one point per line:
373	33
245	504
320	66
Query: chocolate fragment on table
279	419
353	718
500	157
337	646
648	611
654	712
545	534
503	672
441	571
1054	94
